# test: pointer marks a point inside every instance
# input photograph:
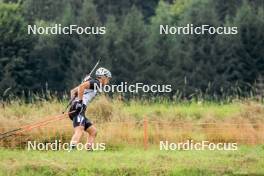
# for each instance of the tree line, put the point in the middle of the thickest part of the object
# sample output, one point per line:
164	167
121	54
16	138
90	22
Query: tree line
132	48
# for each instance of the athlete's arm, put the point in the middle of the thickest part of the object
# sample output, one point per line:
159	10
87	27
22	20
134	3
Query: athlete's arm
81	88
74	92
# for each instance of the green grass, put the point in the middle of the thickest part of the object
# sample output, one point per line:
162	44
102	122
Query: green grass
245	161
122	159
102	107
192	110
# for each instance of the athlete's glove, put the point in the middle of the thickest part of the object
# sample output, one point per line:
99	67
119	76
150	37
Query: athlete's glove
79	106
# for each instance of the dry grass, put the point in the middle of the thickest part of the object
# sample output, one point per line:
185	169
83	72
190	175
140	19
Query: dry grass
118	125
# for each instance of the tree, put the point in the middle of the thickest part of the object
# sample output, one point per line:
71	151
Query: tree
86	51
159	46
47	10
17	69
243	54
194	55
124	45
119	8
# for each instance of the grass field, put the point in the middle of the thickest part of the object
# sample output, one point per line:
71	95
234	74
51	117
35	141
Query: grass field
245	161
120	126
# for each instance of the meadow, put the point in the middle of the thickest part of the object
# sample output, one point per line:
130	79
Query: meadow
132	161
122	123
121	126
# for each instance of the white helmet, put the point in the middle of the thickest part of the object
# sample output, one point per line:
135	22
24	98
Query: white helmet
103	72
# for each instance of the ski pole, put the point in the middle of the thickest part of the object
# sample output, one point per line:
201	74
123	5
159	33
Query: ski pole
32	126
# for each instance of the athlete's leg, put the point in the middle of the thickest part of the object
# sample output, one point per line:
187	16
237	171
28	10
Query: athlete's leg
78	131
90	139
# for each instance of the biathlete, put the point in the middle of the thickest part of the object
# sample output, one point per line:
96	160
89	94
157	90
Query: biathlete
83	95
